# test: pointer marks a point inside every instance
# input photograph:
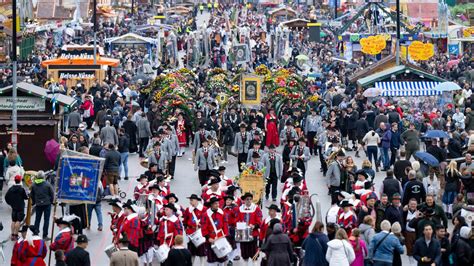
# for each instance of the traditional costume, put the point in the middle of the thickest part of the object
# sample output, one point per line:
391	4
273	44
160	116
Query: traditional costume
214	226
192	223
252	216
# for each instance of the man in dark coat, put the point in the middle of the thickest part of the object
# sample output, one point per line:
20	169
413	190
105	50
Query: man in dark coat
427	250
413	189
315	246
362	127
79	256
394	211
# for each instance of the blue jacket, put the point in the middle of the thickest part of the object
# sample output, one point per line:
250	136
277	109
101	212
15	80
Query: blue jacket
395	140
385	249
315	253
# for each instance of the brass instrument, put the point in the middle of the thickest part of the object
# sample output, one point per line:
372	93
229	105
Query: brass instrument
305	209
144	163
290	167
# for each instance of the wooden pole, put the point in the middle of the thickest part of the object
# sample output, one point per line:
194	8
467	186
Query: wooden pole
28	211
52	230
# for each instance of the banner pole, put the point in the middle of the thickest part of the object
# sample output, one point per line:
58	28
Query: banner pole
52	230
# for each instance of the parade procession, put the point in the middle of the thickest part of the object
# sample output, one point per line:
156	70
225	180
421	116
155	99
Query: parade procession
225	132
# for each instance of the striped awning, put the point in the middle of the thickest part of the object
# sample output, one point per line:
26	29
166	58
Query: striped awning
408	88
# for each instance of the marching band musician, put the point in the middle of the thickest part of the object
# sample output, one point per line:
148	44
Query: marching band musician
173	199
241	145
63	239
192	222
288	132
142	187
288	209
214	226
204	162
256	148
273	213
146	242
158	157
214	189
152	171
170	226
256	133
225	181
163	186
173	150
131	226
286	159
346	218
19	247
255	164
35	249
273	162
118	217
199	137
251	214
234	191
156	198
301	155
231	212
296	180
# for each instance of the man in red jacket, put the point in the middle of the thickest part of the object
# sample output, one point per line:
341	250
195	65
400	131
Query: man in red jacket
273	213
131	226
19	247
169	227
214	226
251	215
63	239
192	222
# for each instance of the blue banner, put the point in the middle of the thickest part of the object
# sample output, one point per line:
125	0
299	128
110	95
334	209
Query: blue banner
453	49
78	179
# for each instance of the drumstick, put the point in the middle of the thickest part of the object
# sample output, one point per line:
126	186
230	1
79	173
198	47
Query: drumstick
255	257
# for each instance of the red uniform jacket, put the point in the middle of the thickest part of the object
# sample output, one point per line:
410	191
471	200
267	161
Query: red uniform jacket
116	224
19	251
214	224
265	224
140	190
132	227
168	229
34	255
287	216
348	221
165	191
63	241
218	194
193	222
231	213
252	216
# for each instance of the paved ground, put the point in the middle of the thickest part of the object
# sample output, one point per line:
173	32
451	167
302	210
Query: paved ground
185	183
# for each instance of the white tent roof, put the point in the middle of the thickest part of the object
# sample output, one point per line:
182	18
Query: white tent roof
130	38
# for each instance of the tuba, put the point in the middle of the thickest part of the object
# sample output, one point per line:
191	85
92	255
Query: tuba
306	209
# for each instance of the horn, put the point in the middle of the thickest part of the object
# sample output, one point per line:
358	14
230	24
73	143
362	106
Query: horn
144	163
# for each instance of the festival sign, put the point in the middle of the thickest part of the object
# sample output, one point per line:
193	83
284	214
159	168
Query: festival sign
79	178
373	45
76	74
251	90
23	103
420	51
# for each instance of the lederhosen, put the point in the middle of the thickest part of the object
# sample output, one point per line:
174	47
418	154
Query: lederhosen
242	157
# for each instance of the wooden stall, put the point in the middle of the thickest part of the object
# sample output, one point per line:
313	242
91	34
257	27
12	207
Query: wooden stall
77	65
36	122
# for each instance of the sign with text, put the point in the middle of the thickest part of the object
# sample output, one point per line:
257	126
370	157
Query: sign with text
77	54
79	179
420	51
23	103
76	74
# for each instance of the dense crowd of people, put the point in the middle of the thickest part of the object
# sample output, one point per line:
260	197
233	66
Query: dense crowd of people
421	209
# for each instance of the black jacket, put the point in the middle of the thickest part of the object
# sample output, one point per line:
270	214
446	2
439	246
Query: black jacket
413	189
112	161
437	152
433	251
15	197
391	186
42	193
228	136
178	257
124	143
463	254
362	127
95	150
78	257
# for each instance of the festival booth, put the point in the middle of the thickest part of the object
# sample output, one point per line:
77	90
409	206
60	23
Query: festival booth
40	115
76	64
282	14
461	39
131	40
412	88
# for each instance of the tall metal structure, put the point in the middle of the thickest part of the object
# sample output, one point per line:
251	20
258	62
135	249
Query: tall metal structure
14	77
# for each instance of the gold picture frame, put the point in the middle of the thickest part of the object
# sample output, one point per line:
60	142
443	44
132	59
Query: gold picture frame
251	92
